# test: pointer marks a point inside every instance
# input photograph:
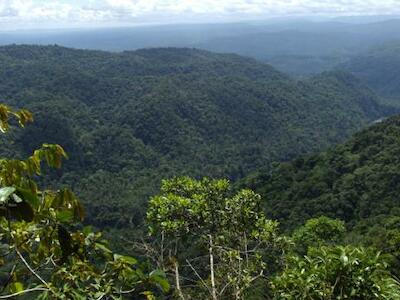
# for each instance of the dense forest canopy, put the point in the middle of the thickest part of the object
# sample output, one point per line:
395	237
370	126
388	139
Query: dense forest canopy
321	226
129	119
380	69
357	182
244	159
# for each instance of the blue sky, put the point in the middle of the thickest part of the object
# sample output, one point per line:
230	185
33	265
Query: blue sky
15	14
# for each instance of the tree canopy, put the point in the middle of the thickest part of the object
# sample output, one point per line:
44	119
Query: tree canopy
44	250
128	120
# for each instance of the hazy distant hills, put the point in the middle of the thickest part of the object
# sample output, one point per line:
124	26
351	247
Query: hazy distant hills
129	119
296	47
380	69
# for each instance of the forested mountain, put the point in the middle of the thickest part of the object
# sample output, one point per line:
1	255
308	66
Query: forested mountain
129	119
380	69
358	182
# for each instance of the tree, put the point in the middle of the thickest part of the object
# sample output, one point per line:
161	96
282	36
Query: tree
43	250
317	232
231	227
335	272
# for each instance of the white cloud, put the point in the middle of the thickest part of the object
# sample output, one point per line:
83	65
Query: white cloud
76	12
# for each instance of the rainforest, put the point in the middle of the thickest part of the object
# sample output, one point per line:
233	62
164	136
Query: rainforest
201	163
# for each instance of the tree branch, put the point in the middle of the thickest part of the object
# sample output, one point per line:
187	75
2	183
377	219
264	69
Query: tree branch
31	269
37	289
197	274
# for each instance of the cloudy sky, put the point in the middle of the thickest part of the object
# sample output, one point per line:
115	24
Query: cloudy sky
16	14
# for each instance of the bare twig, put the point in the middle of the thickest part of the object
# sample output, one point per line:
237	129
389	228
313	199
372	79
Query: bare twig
224	288
128	291
37	289
9	279
31	269
198	276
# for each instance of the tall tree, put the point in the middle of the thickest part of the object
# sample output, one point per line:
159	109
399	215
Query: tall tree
229	228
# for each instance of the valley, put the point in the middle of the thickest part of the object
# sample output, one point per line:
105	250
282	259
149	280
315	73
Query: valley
248	160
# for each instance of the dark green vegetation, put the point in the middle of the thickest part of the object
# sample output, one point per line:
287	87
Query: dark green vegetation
357	182
217	244
380	69
45	254
336	273
129	119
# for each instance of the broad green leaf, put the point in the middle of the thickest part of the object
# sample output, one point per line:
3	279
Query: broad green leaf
65	216
159	277
5	193
29	197
16	287
102	247
87	230
344	259
16	198
79	211
149	295
127	259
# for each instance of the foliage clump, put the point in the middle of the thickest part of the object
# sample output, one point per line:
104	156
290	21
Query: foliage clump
335	272
44	250
229	230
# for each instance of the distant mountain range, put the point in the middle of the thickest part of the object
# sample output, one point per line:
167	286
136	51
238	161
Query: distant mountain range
379	69
297	47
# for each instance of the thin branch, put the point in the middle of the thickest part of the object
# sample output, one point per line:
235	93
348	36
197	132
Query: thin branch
197	274
224	288
162	247
252	280
30	269
9	278
128	291
37	289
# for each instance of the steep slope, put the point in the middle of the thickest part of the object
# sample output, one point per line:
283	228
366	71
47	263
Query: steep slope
380	69
129	119
358	182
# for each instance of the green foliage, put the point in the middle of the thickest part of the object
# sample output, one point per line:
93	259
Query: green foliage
204	207
231	226
23	116
356	182
336	273
129	119
317	232
379	68
42	249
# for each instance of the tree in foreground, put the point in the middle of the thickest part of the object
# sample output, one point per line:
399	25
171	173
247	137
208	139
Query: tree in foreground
317	268
44	251
223	235
335	272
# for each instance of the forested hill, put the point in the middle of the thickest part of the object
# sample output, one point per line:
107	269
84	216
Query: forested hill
129	119
358	182
380	69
